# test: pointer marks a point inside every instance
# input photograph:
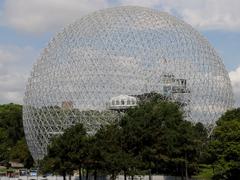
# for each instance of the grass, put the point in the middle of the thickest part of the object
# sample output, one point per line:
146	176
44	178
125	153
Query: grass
4	170
205	172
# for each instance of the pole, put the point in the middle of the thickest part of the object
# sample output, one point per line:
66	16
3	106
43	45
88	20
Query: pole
37	167
186	171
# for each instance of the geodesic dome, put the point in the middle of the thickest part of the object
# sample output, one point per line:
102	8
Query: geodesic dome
121	51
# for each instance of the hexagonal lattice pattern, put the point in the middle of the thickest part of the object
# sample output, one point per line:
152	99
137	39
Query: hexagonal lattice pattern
121	51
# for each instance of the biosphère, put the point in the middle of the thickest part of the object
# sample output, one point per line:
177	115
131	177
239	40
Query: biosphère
98	66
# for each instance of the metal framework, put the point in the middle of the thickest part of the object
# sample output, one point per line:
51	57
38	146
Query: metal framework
122	51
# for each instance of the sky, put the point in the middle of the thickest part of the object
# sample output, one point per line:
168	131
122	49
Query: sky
26	26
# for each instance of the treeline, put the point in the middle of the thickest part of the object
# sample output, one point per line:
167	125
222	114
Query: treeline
13	146
152	138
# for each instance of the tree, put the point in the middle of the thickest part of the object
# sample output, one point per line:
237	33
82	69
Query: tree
152	137
11	120
57	159
224	148
20	153
4	145
12	143
113	156
66	151
75	139
156	133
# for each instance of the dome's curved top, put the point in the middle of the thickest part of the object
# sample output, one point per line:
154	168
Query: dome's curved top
123	50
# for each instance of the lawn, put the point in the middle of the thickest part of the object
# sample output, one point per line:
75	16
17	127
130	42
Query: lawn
206	172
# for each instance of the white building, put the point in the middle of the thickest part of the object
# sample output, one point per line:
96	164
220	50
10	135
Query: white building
122	102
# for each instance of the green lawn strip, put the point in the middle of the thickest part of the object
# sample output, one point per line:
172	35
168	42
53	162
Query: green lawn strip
4	170
205	173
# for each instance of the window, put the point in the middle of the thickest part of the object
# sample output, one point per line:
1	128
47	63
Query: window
133	102
117	102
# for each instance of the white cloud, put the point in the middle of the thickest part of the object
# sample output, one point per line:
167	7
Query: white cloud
235	79
44	15
211	14
15	65
12	88
5	56
144	3
202	14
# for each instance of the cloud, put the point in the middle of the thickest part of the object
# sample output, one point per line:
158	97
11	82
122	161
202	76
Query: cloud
211	14
15	65
144	3
235	79
202	14
46	15
12	88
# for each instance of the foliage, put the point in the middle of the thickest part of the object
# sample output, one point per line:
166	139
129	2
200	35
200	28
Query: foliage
65	151
224	149
21	153
11	121
156	132
12	143
4	145
152	136
205	172
114	154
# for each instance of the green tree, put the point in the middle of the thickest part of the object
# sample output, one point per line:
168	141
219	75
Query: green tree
152	137
57	159
66	151
12	143
113	156
11	121
225	147
75	139
20	153
156	132
4	145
